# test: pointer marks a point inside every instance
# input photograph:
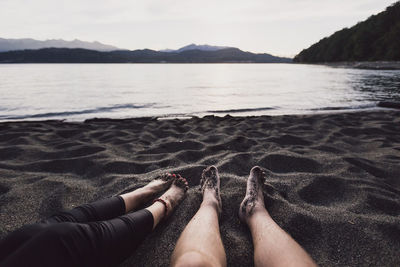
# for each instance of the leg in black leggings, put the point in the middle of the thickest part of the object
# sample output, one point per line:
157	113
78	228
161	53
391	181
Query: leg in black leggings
64	240
97	211
100	210
103	243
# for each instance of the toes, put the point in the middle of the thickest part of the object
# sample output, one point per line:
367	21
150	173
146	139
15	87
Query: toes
259	172
263	176
210	170
172	176
256	169
166	177
182	182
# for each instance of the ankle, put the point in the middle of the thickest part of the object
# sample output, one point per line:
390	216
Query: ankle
212	203
147	189
257	212
210	194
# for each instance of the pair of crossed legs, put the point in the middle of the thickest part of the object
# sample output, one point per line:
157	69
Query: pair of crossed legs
102	233
200	243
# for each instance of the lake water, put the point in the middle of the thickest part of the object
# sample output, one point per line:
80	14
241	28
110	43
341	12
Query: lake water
82	91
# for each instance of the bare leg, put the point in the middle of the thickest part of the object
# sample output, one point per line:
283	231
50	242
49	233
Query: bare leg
141	195
200	243
172	198
272	245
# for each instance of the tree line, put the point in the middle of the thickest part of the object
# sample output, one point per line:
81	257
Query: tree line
377	38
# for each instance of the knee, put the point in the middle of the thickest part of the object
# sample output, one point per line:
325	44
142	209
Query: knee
193	259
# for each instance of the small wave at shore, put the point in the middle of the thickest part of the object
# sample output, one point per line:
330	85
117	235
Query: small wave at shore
78	112
156	110
356	107
240	110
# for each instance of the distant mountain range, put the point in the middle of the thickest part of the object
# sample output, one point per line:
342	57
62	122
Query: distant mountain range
196	47
187	54
77	55
28	43
21	44
375	39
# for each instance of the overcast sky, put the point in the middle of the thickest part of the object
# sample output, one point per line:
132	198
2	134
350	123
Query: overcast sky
279	27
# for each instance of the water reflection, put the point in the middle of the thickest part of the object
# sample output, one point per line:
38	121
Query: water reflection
82	91
378	85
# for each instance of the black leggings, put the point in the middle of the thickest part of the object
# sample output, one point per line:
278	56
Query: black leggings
96	234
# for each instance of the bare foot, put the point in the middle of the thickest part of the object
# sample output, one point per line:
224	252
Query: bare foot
138	197
254	199
160	183
175	193
210	186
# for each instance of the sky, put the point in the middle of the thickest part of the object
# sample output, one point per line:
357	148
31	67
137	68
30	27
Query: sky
278	27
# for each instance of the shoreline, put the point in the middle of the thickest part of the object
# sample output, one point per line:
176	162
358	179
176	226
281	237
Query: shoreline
367	65
333	179
379	106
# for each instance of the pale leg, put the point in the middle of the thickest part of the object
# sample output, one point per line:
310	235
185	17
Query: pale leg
171	197
200	243
140	196
272	245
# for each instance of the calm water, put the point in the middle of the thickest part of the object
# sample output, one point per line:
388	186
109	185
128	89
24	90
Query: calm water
81	91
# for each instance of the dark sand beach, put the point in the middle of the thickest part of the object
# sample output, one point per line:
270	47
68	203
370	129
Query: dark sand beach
333	179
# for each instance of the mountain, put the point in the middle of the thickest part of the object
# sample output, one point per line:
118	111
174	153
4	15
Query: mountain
375	39
196	47
21	44
64	55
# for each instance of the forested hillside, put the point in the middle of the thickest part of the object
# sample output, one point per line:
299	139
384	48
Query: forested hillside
377	38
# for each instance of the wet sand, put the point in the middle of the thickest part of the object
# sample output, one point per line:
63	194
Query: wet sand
333	179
